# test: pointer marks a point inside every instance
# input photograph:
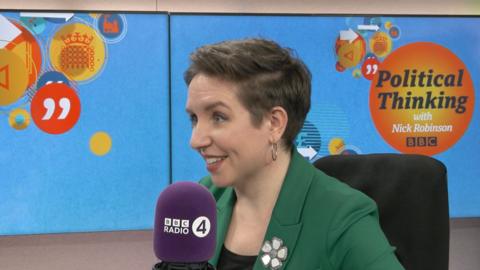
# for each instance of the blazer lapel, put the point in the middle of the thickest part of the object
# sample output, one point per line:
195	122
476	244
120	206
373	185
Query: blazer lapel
224	214
285	223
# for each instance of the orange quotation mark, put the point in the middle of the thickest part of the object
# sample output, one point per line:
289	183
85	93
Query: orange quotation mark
55	108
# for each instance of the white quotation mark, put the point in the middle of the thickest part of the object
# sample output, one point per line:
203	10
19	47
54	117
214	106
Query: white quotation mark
370	67
201	227
49	104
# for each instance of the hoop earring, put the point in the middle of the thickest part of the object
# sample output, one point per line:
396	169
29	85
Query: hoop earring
274	151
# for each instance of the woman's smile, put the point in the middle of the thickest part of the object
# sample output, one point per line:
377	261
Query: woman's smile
214	163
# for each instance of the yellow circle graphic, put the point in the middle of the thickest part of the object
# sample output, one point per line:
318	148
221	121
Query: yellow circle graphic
100	143
380	44
336	146
357	73
388	25
78	51
13	77
19	119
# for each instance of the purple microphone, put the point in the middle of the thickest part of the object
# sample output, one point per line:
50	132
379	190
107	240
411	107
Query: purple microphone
185	227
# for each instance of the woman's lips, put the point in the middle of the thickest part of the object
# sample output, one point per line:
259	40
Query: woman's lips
214	163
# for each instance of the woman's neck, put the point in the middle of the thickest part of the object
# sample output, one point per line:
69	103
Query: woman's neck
253	209
258	194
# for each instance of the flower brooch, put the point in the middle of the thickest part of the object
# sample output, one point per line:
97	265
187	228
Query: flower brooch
274	254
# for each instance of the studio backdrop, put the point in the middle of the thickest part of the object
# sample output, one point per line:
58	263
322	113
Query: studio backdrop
92	106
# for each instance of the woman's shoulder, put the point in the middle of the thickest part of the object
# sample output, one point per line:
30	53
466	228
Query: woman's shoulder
340	199
324	189
333	188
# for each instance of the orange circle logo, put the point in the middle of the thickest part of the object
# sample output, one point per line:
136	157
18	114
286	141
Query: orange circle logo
13	77
77	51
28	49
422	98
380	44
55	108
349	51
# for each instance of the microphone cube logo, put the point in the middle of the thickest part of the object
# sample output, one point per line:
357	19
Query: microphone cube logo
200	226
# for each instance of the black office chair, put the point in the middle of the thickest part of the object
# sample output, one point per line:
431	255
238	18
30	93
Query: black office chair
411	194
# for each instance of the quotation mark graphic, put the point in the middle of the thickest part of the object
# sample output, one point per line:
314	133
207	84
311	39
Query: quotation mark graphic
370	67
49	104
55	108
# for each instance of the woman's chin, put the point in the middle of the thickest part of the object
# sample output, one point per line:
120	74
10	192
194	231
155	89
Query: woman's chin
220	182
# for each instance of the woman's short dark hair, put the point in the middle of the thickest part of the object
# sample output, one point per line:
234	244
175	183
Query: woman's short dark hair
267	76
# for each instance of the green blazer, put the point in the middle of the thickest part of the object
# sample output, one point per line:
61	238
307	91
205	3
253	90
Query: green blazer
325	224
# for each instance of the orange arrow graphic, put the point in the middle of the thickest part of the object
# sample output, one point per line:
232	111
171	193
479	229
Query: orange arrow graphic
5	82
349	55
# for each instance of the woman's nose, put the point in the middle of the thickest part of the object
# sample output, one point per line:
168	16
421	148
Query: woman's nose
200	137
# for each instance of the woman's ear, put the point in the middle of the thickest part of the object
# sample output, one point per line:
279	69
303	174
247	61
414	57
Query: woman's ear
278	119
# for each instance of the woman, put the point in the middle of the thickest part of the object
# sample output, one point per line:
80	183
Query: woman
247	101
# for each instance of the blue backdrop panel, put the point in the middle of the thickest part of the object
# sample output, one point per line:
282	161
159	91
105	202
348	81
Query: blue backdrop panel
340	100
55	183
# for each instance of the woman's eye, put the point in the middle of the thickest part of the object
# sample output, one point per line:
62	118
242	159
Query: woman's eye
218	118
193	119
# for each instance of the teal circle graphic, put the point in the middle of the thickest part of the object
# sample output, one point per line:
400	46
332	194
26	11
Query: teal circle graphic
308	141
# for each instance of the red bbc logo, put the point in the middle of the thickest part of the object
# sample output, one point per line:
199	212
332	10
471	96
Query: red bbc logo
421	141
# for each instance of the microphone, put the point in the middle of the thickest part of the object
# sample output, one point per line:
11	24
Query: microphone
185	228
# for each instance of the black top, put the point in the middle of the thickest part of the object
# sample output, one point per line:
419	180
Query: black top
231	261
183	266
